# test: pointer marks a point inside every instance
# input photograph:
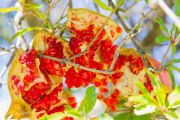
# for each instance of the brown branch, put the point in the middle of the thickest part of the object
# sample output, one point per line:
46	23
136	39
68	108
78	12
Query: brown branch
111	4
128	36
74	64
94	39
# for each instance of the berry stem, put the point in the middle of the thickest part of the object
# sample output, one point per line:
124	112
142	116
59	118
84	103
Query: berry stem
74	64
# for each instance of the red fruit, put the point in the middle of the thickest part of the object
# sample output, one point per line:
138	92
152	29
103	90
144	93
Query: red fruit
55	49
136	64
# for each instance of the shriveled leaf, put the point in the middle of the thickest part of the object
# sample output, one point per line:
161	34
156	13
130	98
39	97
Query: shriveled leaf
174	98
105	116
55	116
21	32
162	26
161	38
177	7
10	9
102	5
89	100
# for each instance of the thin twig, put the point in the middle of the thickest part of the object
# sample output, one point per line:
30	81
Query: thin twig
74	64
165	55
110	2
94	39
5	68
16	22
126	38
168	11
132	5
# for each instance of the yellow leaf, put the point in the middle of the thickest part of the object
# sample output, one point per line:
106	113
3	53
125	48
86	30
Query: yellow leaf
10	9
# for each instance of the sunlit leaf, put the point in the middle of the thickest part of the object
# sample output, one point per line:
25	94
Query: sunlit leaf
123	116
130	116
158	90
171	115
176	60
102	5
172	67
162	26
35	8
173	49
141	99
72	112
174	98
145	110
105	116
172	78
10	9
55	116
89	100
23	31
177	7
120	2
161	38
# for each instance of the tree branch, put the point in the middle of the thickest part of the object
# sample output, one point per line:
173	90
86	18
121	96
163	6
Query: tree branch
110	2
128	36
74	64
168	11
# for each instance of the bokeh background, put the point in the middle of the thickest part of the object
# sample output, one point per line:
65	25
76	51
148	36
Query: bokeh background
145	39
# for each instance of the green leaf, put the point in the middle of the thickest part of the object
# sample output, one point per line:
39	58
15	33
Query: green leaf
55	116
72	112
161	38
177	7
10	9
174	98
173	49
142	88
141	99
105	116
176	60
23	31
161	23
120	3
171	115
123	116
102	5
158	90
89	100
33	6
172	78
130	116
172	67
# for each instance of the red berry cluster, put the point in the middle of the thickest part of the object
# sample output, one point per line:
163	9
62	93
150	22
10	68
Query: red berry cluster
55	49
136	64
112	101
148	84
81	78
30	94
